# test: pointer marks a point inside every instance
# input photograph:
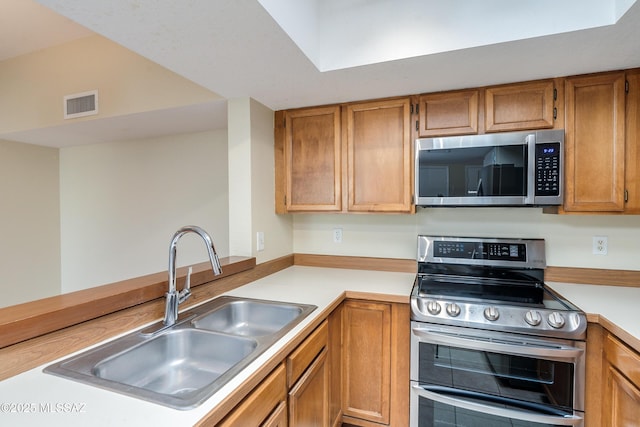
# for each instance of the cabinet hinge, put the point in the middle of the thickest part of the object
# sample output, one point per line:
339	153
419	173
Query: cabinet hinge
555	94
555	113
411	110
285	200
417	126
417	108
626	196
626	86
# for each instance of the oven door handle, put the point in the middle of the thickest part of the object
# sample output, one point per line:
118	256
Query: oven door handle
518	348
458	402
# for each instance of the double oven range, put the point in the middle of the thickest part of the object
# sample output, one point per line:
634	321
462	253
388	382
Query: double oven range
491	345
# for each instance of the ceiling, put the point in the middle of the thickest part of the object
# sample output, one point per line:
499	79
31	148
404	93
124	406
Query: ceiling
236	49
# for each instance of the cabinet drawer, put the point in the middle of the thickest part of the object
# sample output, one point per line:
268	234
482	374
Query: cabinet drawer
261	403
623	358
301	358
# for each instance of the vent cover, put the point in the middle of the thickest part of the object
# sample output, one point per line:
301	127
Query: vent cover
81	104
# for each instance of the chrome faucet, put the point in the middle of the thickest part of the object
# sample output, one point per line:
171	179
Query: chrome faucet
173	297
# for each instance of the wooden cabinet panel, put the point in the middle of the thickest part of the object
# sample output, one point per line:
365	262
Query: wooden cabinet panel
300	359
378	138
520	106
334	361
309	398
366	360
622	401
595	143
448	113
621	394
312	157
257	408
632	146
278	418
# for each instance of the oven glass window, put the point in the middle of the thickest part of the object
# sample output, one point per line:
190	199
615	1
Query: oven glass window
537	381
473	171
436	414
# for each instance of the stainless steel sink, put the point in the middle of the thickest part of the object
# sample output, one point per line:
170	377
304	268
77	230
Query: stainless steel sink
176	363
249	317
181	366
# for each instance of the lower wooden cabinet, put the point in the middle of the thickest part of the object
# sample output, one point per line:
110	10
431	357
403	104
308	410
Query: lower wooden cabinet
261	407
353	368
308	379
621	372
375	363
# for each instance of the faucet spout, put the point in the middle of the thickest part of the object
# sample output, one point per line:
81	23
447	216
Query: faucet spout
173	297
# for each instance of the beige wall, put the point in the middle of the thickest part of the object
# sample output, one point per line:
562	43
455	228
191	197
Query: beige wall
568	237
29	223
121	202
33	85
252	184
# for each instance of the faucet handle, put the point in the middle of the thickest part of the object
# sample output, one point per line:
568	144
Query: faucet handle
186	291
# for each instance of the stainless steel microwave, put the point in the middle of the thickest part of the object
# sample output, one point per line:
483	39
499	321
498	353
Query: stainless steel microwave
500	169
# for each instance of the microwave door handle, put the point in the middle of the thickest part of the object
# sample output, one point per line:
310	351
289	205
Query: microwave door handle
559	353
568	420
530	198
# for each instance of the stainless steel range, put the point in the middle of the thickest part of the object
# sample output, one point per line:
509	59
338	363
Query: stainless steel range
491	345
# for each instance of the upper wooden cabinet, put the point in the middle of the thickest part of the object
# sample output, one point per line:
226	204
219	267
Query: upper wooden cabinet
378	139
312	163
595	143
350	158
632	142
448	113
521	106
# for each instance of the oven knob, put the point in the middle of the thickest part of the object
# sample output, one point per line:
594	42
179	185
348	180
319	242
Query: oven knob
433	307
555	320
491	313
453	309
533	317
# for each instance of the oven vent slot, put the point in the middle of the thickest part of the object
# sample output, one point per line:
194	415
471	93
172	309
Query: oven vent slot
80	104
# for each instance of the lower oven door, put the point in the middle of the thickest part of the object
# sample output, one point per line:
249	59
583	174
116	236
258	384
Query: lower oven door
493	378
439	407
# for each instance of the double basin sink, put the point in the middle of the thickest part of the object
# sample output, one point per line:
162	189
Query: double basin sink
183	365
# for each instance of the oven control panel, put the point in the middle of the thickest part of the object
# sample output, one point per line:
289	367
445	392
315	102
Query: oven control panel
497	252
480	250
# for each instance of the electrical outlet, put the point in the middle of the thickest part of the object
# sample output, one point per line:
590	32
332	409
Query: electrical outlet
337	235
600	245
260	240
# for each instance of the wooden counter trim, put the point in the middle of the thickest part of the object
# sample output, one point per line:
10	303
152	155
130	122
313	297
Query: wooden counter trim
593	276
43	349
357	263
28	320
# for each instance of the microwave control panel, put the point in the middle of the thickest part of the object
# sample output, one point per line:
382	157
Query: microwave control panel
548	169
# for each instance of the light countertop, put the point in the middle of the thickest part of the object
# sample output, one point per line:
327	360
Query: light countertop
34	398
614	307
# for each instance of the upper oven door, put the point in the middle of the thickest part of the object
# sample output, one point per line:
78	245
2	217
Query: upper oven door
509	367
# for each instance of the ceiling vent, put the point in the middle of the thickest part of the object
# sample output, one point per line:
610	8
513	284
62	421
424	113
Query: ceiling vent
81	104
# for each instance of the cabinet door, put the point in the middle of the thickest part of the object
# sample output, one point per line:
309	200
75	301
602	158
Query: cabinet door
258	407
378	138
367	360
595	143
519	106
448	113
621	405
312	159
632	146
278	418
309	398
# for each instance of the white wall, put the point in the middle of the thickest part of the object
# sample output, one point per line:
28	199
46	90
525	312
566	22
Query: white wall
568	237
29	223
121	202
